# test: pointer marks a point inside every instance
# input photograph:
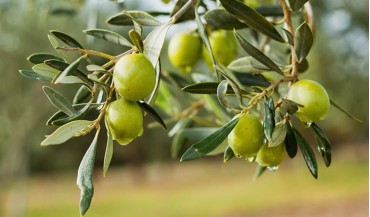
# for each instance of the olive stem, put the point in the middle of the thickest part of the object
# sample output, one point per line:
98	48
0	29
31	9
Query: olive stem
289	24
85	51
182	11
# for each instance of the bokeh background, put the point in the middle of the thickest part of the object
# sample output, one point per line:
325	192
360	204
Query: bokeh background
143	180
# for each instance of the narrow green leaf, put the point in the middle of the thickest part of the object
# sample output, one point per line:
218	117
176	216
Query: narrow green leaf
221	93
209	143
154	42
60	118
344	111
221	19
233	82
228	154
257	54
289	36
147	108
153	96
78	115
109	36
33	75
85	176
45	71
259	171
67	131
38	58
108	150
295	5
244	65
323	143
269	119
290	106
137	40
68	71
95	68
303	40
278	136
66	38
126	18
252	79
252	18
307	153
290	141
303	65
59	101
82	94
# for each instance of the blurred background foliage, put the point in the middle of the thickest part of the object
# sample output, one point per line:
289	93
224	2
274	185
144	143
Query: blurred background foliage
339	60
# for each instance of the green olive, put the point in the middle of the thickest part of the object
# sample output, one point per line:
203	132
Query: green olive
313	97
125	120
184	50
247	137
271	156
134	77
224	47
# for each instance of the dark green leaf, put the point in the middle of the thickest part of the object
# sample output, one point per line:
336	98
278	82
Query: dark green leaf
289	36
259	171
82	94
127	18
154	42
303	40
66	39
252	18
269	119
257	54
290	106
228	154
110	36
70	70
189	15
85	176
59	101
206	88
209	143
252	79
307	153
108	150
37	58
60	118
303	66
221	19
323	143
290	141
147	108
33	75
295	5
67	131
78	115
344	111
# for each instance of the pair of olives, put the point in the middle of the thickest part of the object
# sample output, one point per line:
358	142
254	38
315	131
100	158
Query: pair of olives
134	80
185	49
246	139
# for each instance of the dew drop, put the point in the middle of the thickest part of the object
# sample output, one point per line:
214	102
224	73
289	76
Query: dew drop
273	168
251	159
307	124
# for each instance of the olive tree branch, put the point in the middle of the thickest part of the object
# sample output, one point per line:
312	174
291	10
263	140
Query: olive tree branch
182	11
85	51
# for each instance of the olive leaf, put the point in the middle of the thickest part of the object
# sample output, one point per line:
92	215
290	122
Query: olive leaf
154	42
259	171
307	153
85	175
188	15
127	18
45	72
221	19
269	118
108	150
66	38
209	143
68	71
33	75
344	111
109	36
295	5
59	101
78	115
290	141
252	18
221	93
303	40
233	82
228	154
147	108
323	143
290	106
278	136
37	58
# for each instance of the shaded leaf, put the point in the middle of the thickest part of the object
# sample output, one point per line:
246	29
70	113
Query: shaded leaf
307	153
289	36
323	143
252	79
303	40
244	65
59	101
108	150
178	140
65	132
209	143
154	42
269	118
45	71
257	54
252	18
127	18
82	94
153	96
290	106
60	118
108	35
147	108
33	75
221	92
221	19
66	38
207	88
37	58
233	82
85	176
69	70
290	141
228	154
137	40
295	5
344	111
278	136
78	115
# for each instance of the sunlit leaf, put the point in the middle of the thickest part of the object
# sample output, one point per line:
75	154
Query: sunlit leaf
154	42
252	18
257	54
209	143
244	64
221	92
85	176
233	82
269	118
33	75
278	136
108	150
303	40
323	143
65	132
108	35
44	71
153	96
307	153
69	70
59	101
126	18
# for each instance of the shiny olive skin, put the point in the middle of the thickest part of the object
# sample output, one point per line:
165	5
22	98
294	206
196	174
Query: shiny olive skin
271	156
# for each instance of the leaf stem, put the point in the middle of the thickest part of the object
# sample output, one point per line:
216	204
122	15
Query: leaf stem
85	51
182	11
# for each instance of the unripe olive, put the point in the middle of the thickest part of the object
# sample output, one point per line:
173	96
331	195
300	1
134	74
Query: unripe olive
125	120
271	156
246	138
134	77
184	50
313	97
224	47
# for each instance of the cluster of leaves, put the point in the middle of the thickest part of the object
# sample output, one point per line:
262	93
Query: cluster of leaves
205	114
